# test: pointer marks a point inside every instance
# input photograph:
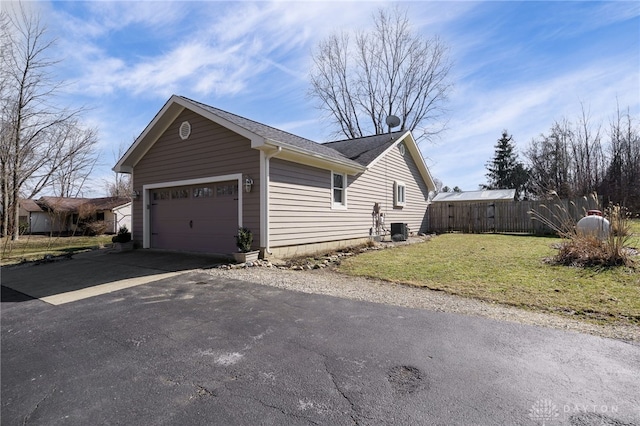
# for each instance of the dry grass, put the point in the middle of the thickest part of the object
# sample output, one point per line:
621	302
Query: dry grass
35	247
511	270
584	250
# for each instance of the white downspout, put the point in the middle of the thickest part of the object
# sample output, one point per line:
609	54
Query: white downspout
264	194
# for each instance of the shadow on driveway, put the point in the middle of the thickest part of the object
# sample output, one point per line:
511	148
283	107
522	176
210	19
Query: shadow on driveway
97	272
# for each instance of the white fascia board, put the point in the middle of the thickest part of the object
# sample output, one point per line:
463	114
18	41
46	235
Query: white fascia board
298	155
256	140
412	146
163	119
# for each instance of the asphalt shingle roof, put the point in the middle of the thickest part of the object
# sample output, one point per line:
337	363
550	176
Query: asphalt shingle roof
272	133
67	204
366	149
29	205
470	196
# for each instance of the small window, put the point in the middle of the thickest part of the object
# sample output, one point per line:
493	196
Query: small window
203	192
399	194
339	189
160	195
179	193
100	216
226	190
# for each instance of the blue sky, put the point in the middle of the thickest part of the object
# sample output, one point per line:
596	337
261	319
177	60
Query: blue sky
517	66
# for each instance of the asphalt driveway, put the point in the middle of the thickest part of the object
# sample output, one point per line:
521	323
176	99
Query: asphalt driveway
194	349
97	272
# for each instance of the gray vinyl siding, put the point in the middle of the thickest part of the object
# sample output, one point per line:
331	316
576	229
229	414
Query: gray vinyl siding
300	201
211	150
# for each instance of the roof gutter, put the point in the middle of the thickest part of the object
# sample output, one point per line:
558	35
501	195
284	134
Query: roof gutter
346	165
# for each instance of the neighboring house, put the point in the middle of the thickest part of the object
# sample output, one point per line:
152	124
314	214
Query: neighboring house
62	214
32	218
200	173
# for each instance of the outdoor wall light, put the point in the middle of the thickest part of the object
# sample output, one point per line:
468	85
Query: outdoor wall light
135	194
248	183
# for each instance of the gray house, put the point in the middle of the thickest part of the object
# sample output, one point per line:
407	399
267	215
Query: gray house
200	173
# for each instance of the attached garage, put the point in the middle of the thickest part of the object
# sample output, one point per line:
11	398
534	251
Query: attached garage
199	173
201	216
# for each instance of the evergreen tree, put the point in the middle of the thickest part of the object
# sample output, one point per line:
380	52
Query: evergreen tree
505	171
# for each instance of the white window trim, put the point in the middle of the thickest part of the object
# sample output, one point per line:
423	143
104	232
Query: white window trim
343	205
399	188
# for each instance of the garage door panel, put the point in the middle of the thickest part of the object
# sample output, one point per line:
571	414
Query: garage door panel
195	218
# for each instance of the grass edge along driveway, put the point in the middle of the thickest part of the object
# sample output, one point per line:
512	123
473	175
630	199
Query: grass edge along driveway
507	269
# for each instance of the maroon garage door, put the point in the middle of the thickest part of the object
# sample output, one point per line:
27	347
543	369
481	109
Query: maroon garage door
200	218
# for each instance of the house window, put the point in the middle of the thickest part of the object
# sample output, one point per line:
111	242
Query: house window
203	192
179	193
339	190
399	194
226	190
160	195
100	216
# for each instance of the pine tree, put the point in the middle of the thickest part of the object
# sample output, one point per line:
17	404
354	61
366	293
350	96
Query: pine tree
505	171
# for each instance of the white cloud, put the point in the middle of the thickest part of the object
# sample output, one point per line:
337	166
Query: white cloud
527	109
257	55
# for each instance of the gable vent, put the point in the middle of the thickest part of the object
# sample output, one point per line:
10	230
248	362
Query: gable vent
185	130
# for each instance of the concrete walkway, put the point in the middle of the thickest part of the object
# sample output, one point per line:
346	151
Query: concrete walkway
98	272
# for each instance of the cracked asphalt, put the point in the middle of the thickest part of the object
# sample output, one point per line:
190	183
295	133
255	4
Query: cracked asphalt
200	350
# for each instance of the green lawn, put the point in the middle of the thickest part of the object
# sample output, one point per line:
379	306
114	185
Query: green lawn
511	270
34	247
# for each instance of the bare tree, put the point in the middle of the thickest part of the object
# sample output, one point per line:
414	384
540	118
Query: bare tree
587	155
121	185
550	162
621	183
35	130
74	159
391	70
572	161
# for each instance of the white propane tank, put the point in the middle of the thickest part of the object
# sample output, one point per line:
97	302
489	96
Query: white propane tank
594	225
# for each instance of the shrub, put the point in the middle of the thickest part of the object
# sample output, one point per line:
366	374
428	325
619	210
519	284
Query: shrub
123	236
588	250
244	239
97	227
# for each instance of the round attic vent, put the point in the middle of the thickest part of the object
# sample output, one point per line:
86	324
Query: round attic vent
185	130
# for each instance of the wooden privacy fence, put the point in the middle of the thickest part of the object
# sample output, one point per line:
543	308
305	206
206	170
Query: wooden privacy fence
511	216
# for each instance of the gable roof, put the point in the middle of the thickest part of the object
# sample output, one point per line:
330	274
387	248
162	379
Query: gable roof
365	150
271	133
368	150
262	137
29	205
71	205
475	196
351	156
